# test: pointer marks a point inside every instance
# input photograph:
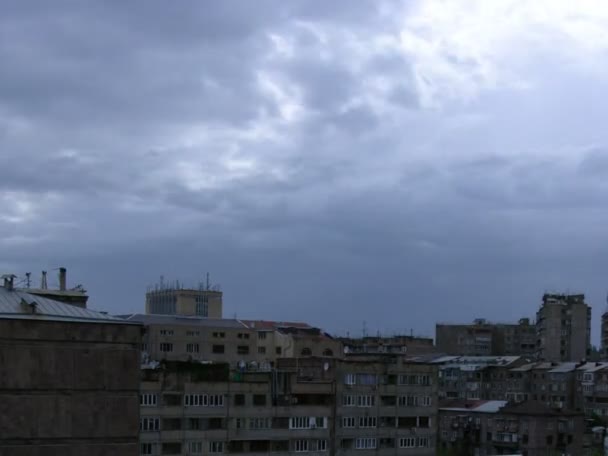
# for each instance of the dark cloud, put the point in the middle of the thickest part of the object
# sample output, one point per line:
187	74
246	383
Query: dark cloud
286	147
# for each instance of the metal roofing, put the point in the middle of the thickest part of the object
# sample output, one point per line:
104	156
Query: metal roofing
14	304
154	319
564	367
478	407
593	367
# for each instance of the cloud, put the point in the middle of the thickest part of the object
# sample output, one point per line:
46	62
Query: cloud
395	162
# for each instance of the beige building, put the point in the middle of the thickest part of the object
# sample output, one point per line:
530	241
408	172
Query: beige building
175	300
236	342
410	345
69	379
563	325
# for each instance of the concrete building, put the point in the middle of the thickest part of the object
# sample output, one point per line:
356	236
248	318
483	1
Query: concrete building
69	379
563	325
232	341
604	336
592	390
409	345
483	338
494	427
173	299
313	405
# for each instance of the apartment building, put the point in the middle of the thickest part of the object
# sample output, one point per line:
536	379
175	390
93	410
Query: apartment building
563	325
475	377
315	405
528	428
69	378
591	393
386	404
236	342
410	345
604	335
483	338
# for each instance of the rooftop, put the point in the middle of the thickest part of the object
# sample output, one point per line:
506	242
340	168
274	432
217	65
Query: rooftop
153	319
477	406
18	304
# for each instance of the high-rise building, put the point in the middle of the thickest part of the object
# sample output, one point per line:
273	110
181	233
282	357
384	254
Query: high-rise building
563	325
604	341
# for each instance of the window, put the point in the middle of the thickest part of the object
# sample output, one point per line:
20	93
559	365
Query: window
307	422
261	335
204	400
259	400
423	442
328	352
166	332
240	423
408	401
424	401
349	379
319	445
202	305
306	351
195	447
144	347
260	423
262	350
243	336
192	348
413	379
171	448
216	447
348	421
367	379
148	399
278	350
217	349
193	333
149	424
166	347
349	400
147	448
216	400
365	443
239	400
368	422
219	335
300	446
407	442
242	350
366	400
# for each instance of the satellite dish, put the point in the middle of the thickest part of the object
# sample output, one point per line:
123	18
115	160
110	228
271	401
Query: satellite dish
326	366
241	364
345	349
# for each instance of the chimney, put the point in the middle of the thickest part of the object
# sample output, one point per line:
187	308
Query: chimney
62	279
8	281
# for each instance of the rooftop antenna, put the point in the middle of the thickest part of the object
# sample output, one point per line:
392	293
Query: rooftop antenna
208	282
43	284
28	280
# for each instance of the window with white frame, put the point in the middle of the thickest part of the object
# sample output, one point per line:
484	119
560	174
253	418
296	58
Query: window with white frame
166	332
350	379
193	333
423	442
407	401
318	445
407	442
192	348
204	400
216	400
307	422
166	347
147	448
365	443
260	423
195	447
424	401
349	421
349	400
149	424
216	447
148	399
368	421
300	446
366	400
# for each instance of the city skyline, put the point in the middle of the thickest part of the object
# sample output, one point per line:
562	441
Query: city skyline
386	162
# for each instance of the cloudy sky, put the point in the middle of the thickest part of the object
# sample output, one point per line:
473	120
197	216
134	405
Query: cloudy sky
338	162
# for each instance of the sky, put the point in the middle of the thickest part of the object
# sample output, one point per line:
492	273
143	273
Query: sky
374	164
